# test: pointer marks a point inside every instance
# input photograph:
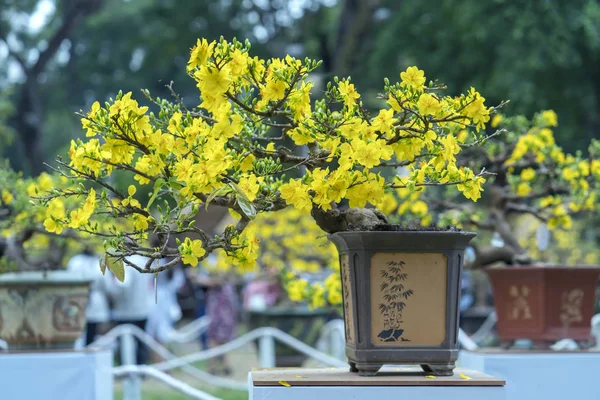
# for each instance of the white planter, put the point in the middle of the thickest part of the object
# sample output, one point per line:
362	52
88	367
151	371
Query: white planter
42	310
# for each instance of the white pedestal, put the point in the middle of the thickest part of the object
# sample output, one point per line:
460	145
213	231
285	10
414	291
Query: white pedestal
540	375
56	375
390	383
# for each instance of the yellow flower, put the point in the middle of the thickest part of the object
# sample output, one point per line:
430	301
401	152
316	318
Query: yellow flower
247	162
368	155
250	185
550	118
295	193
140	222
419	208
53	226
296	289
523	189
528	174
213	81
450	148
496	120
334	297
429	105
200	54
471	185
413	77
569	174
81	216
318	296
348	92
7	196
190	251
384	121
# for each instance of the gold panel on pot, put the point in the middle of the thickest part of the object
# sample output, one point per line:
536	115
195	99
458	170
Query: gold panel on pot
408	299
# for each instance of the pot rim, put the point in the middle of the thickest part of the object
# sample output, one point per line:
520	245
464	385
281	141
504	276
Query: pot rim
61	277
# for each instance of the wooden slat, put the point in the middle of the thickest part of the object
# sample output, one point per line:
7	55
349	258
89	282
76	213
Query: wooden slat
387	376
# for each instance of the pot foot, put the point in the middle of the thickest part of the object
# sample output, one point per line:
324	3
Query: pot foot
439	369
353	367
586	344
542	344
506	344
367	369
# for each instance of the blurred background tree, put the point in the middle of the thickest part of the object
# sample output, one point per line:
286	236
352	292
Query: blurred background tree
58	55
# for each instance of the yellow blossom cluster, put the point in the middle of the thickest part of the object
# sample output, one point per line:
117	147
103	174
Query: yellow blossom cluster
21	220
554	184
261	138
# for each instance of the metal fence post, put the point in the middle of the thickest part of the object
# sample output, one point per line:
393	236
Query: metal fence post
267	351
132	388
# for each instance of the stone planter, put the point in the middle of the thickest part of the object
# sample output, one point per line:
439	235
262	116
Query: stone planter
299	322
401	293
544	303
42	310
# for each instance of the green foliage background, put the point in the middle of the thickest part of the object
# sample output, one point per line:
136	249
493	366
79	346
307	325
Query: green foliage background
539	54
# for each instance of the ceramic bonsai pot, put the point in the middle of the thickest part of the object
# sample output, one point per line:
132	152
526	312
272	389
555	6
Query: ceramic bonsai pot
544	303
42	310
300	322
401	293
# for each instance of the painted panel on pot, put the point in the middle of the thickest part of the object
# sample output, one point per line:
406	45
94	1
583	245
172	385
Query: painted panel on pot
408	299
348	302
42	315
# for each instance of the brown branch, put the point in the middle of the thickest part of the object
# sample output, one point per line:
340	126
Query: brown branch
525	209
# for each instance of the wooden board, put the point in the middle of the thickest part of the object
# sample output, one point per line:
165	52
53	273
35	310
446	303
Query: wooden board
387	376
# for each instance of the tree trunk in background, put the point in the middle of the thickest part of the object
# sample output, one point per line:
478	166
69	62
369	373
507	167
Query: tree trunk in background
29	113
355	23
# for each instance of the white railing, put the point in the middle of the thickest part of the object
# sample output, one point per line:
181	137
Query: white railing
126	371
333	339
266	336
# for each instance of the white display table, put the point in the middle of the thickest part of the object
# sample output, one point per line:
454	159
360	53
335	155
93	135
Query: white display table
390	383
547	375
56	375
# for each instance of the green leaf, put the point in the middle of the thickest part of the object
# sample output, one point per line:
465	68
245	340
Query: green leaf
117	267
157	186
174	184
103	264
243	201
247	207
219	192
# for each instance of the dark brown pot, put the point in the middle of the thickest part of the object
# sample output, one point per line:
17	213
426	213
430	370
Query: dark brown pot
401	293
544	304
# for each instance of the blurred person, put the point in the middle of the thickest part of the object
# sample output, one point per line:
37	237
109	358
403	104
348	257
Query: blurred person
263	291
87	263
200	281
222	307
132	300
165	311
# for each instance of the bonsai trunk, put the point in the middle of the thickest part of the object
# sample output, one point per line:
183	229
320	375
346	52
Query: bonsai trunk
336	220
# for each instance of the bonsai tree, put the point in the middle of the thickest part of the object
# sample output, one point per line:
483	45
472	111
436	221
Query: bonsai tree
258	142
531	176
28	240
